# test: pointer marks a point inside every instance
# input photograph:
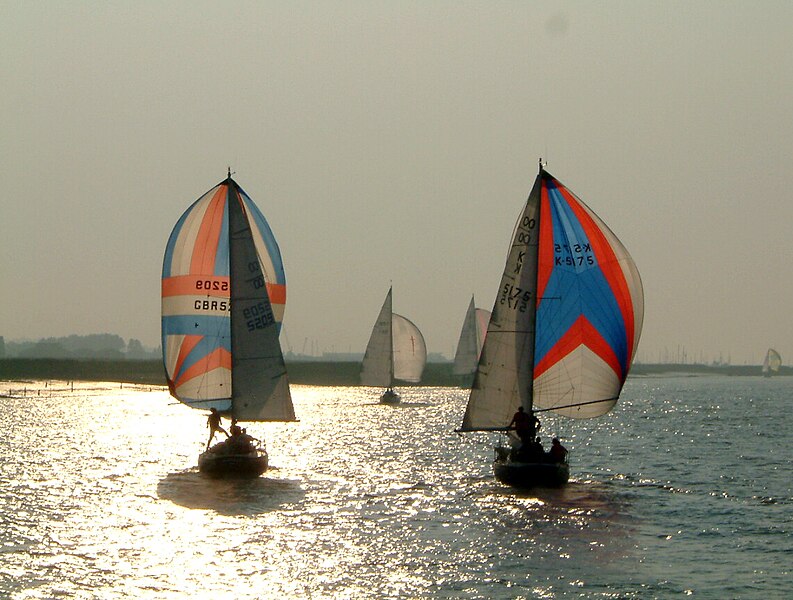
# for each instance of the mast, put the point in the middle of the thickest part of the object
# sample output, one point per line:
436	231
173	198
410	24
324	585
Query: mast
391	339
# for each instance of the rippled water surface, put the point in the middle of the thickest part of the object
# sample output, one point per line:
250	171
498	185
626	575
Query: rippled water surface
685	488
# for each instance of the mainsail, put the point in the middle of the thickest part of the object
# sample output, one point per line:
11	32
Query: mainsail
223	296
377	368
472	337
567	319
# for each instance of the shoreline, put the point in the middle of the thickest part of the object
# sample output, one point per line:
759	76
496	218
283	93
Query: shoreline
321	373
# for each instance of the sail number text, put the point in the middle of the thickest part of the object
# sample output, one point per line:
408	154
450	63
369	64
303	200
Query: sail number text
575	255
221	305
523	238
514	297
258	316
211	286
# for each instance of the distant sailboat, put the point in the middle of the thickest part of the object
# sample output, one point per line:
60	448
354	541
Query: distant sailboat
223	296
564	328
771	363
396	351
472	338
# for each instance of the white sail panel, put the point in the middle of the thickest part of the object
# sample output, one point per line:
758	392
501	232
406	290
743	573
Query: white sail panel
377	366
467	355
575	383
208	389
410	351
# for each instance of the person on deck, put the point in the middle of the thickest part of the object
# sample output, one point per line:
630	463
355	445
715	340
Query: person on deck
557	452
526	426
213	422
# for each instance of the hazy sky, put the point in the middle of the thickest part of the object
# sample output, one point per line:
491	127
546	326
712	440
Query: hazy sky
396	142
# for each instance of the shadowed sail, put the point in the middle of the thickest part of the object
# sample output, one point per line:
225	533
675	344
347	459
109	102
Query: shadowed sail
223	297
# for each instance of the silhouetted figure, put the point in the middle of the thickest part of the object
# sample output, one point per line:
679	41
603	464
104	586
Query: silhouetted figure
213	422
526	425
558	453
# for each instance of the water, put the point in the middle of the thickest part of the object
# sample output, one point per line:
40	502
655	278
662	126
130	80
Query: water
684	489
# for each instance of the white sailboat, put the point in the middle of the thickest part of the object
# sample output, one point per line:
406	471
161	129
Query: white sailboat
396	351
771	363
563	332
223	296
472	338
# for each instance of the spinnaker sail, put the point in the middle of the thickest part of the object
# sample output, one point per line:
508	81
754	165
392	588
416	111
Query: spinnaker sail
223	298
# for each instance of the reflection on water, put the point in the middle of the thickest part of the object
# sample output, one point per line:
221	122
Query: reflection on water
101	499
190	489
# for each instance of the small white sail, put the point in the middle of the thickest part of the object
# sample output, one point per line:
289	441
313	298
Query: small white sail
772	362
410	351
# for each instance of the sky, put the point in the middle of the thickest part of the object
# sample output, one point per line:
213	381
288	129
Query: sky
395	143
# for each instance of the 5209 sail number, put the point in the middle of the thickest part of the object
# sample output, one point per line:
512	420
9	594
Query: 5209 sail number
258	316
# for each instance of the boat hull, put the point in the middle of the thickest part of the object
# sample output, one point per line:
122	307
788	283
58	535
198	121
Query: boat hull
233	466
526	475
390	397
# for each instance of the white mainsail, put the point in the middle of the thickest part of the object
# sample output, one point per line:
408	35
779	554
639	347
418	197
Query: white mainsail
504	377
377	368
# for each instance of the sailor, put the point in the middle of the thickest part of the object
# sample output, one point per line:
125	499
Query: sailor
213	422
557	452
526	426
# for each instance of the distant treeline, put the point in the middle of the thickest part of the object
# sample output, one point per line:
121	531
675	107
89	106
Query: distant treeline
104	346
302	372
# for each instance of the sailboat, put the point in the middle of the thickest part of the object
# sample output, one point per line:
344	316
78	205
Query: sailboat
771	363
472	338
564	328
223	297
396	351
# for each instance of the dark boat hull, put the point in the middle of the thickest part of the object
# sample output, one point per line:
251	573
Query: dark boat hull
389	397
525	475
232	466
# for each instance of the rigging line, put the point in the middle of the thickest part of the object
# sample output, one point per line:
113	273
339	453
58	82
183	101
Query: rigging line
577	404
